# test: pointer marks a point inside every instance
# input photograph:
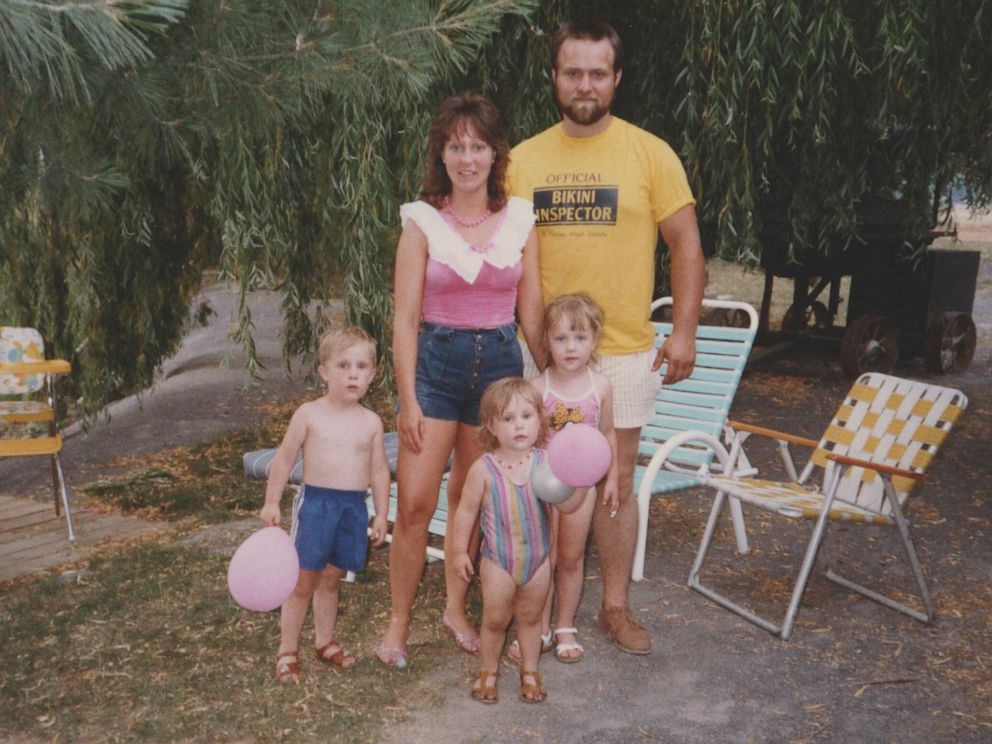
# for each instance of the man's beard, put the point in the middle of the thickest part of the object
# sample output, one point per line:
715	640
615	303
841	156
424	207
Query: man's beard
587	113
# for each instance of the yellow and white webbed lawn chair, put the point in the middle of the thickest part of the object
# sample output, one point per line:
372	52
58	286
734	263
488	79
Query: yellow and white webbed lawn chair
24	371
873	453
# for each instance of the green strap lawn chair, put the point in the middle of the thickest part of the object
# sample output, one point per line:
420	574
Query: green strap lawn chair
699	403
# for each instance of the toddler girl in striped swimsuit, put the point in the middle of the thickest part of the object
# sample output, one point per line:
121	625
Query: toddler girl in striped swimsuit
516	539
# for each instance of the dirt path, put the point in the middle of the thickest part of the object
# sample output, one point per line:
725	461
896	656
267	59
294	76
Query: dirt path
202	392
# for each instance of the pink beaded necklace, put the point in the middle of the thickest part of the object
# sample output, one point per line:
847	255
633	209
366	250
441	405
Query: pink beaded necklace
449	210
511	466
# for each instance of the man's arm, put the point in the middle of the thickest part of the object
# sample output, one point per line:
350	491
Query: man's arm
688	271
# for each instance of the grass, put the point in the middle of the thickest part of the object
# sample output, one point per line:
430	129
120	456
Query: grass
143	642
146	644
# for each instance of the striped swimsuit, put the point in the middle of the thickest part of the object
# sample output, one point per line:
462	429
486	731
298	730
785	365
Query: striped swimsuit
516	533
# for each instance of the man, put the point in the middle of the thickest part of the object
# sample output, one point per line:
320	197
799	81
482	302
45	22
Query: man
602	189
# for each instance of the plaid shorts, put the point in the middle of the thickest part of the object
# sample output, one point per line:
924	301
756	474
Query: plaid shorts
634	384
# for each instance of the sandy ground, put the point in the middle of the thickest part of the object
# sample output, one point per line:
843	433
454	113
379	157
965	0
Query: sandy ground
201	392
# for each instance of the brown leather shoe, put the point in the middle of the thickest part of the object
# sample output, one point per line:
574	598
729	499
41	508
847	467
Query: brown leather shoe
625	632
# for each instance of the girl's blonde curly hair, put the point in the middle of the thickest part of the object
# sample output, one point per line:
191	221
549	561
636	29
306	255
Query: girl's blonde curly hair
495	400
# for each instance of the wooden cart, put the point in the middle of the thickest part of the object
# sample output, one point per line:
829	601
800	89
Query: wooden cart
895	308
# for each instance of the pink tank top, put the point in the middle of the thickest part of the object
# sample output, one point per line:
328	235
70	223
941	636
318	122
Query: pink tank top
563	411
465	286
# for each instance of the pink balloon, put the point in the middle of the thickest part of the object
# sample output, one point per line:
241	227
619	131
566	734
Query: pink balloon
579	455
264	570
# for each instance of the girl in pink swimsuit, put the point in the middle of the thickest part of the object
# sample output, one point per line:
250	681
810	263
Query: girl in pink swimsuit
572	392
516	539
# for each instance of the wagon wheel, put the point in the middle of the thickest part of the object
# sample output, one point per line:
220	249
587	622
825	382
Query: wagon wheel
813	316
870	344
950	343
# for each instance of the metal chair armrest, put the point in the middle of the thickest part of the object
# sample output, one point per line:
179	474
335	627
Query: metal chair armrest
782	438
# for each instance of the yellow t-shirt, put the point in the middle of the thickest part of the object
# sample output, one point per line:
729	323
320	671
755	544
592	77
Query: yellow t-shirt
598	202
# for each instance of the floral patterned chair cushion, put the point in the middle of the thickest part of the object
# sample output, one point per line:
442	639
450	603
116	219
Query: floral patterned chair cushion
20	345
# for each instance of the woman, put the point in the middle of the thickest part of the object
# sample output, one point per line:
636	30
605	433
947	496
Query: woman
466	260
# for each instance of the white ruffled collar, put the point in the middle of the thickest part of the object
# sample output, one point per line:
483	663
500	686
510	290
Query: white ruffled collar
447	246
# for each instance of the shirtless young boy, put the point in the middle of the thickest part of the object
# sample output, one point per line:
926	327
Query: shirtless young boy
342	456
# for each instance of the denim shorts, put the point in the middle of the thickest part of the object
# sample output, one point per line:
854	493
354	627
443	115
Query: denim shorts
456	365
330	526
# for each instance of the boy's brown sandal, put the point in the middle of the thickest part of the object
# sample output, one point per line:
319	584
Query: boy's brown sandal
288	670
341	659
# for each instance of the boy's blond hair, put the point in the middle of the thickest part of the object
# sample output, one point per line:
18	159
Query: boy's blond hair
580	311
495	400
337	340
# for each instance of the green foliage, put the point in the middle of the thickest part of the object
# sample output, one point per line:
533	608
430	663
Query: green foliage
793	113
141	142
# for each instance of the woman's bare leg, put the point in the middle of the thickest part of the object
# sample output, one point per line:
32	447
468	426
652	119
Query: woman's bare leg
418	477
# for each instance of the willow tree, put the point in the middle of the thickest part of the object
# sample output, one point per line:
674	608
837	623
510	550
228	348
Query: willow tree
794	113
142	141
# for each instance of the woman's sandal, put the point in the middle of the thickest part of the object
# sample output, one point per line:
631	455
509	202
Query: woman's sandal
484	688
532	693
394	656
467	642
563	648
288	670
341	659
513	650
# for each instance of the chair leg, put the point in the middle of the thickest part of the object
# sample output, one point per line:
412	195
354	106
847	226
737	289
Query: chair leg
809	560
914	562
740	531
785	629
696	584
61	492
640	548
